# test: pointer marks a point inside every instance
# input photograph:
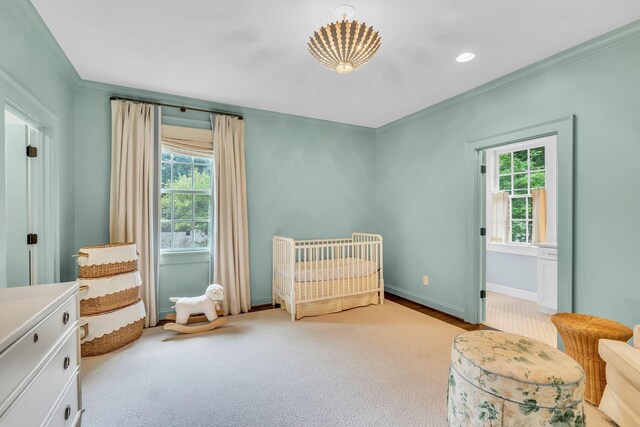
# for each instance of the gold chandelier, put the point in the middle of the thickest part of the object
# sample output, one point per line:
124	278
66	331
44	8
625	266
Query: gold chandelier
345	45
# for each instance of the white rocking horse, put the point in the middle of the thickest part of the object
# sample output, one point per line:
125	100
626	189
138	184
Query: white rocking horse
191	309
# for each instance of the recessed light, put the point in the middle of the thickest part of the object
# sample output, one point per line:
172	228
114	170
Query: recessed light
465	57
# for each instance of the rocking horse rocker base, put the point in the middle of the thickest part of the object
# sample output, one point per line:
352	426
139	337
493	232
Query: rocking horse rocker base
196	318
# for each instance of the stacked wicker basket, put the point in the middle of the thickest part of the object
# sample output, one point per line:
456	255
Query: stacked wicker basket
110	304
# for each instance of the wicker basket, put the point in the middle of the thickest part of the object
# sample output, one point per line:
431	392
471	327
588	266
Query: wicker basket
109	302
114	340
110	337
103	270
580	334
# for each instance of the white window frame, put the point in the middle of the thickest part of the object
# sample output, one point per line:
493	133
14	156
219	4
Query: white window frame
550	167
192	191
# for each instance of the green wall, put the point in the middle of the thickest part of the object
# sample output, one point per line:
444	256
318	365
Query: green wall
305	178
35	76
310	178
422	192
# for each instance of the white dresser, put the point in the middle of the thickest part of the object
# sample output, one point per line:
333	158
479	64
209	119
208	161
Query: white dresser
39	356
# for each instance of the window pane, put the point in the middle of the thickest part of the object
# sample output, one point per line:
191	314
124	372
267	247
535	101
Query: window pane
518	208
182	234
520	183
182	177
505	163
202	203
530	225
518	232
537	179
165	205
182	206
166	157
201	177
165	235
181	158
201	235
537	158
505	183
529	208
202	160
166	175
520	161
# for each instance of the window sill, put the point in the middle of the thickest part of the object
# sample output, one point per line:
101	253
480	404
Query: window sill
185	252
184	257
512	249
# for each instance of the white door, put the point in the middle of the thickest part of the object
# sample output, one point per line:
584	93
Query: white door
22	192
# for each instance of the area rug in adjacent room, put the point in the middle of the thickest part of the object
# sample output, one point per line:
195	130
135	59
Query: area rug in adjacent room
377	365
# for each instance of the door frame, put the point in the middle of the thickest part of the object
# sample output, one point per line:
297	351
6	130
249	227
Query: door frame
20	100
563	129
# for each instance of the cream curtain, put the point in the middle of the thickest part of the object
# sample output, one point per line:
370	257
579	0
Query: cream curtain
133	216
500	220
539	212
187	141
231	254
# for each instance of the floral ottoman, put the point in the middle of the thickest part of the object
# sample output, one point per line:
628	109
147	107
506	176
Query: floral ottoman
500	379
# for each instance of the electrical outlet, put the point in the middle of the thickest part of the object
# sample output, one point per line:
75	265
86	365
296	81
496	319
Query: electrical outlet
425	280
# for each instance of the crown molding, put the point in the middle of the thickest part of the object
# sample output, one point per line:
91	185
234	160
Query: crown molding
603	42
26	14
152	96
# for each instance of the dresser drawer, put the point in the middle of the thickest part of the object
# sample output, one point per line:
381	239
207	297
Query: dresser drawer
32	406
20	361
67	411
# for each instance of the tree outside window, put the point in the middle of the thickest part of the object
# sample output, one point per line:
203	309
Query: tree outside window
519	172
185	202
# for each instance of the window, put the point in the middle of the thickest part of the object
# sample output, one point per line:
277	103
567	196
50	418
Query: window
185	202
519	172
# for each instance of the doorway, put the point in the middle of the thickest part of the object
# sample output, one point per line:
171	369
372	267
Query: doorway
521	238
563	130
21	260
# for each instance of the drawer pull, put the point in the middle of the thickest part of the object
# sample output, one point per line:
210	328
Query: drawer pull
65	317
67	412
35	337
67	362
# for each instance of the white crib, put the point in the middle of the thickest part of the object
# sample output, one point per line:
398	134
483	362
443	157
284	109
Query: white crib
314	277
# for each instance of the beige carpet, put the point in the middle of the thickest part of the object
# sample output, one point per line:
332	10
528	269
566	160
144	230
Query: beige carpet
372	366
521	317
368	366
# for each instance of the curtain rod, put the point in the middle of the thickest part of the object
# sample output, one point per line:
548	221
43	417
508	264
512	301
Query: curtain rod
180	107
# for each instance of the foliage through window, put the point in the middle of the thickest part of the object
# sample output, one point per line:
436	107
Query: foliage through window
185	202
519	172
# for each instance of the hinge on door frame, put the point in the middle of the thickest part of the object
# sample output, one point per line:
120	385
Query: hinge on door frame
483	294
483	169
32	239
32	151
483	231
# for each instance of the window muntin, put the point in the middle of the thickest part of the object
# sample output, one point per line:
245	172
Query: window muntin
519	172
185	202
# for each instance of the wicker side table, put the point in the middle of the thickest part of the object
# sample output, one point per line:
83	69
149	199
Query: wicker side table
580	334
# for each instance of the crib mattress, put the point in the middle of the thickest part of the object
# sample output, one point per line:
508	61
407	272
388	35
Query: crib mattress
330	269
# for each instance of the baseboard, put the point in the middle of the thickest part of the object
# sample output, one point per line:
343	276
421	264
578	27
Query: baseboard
440	306
261	301
512	292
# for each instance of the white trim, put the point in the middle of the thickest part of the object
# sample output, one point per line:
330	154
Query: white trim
512	292
513	249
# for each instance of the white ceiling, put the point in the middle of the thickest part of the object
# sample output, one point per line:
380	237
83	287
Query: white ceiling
254	53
